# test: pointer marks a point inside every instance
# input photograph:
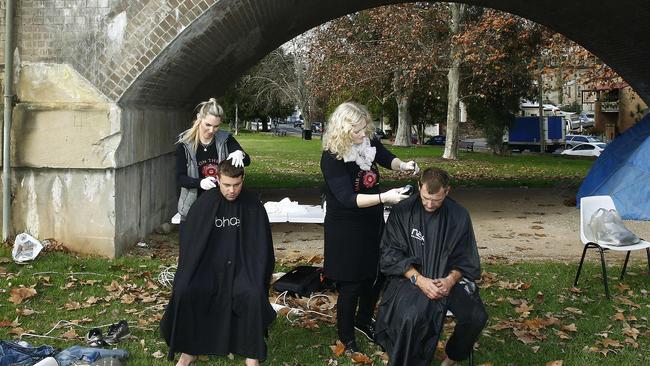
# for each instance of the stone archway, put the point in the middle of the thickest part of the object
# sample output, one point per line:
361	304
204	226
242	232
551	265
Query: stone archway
232	35
135	75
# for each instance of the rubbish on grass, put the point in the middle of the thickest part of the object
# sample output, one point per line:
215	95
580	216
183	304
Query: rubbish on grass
142	244
26	248
47	361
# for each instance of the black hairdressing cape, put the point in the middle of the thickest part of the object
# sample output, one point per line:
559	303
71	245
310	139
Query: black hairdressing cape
409	323
222	307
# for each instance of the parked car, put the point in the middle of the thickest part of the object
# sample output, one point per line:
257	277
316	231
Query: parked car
586	149
316	127
436	140
297	124
575	140
587	119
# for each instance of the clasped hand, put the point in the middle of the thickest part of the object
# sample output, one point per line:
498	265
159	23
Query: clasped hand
436	288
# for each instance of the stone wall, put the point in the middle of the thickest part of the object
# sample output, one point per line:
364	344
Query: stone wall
89	173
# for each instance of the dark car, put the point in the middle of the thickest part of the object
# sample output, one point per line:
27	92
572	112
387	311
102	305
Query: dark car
436	140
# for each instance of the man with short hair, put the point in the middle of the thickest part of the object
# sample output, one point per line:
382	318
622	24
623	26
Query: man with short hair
219	301
429	254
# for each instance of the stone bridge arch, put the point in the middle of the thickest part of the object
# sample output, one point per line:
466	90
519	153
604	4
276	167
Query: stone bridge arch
118	78
195	48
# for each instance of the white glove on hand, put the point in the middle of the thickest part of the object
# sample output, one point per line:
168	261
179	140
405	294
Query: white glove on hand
237	157
208	183
409	165
393	196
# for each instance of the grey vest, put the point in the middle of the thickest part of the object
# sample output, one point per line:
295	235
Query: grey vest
188	195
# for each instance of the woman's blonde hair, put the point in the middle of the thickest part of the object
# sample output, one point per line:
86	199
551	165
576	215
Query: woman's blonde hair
337	138
191	135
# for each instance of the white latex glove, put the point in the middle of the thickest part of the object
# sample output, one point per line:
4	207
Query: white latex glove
237	157
393	196
409	165
208	183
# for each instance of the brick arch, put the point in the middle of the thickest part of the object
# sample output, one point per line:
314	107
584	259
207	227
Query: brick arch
219	39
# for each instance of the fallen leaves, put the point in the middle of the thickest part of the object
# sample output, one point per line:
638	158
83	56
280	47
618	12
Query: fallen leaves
338	349
18	295
361	358
573	310
70	334
524	309
357	357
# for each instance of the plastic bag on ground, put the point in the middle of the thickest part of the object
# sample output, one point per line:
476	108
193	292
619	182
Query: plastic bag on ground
26	248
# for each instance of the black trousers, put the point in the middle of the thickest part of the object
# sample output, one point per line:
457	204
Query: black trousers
471	317
356	304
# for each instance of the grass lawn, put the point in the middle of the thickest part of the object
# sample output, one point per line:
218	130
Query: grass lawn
289	162
535	314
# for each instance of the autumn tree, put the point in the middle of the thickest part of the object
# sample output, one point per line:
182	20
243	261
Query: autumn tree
387	50
499	52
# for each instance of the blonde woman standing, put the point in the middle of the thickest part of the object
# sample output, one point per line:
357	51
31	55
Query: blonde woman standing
200	149
354	218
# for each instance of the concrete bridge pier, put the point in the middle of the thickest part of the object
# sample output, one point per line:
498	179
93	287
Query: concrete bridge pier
86	171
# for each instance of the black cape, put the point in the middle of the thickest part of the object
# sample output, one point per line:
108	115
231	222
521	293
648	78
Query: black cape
408	323
213	315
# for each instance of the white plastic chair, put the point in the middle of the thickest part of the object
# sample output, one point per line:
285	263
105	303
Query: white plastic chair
588	206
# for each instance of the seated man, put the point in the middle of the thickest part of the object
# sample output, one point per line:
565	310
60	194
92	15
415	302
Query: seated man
429	254
219	302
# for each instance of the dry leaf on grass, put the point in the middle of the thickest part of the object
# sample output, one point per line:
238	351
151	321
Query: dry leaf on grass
361	358
574	310
631	332
524	309
555	363
18	295
624	300
25	312
70	334
72	305
8	324
570	328
338	349
158	354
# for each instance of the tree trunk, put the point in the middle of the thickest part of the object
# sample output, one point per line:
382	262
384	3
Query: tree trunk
403	98
453	77
403	135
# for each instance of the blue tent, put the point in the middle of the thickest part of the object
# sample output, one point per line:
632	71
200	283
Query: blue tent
623	172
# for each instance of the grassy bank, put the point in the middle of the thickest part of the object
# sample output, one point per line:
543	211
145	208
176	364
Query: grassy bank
535	314
288	162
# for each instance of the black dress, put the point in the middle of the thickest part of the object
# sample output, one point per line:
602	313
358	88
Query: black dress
352	234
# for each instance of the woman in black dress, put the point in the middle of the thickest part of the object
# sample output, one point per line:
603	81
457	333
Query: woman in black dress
354	218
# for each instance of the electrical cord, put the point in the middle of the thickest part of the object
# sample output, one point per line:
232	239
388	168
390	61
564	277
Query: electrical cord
299	311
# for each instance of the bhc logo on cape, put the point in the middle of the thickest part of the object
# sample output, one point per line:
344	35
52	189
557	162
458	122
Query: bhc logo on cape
224	221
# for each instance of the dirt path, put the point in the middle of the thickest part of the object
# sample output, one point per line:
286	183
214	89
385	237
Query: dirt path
512	223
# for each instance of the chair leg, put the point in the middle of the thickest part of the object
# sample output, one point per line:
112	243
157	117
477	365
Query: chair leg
584	251
471	357
627	258
602	262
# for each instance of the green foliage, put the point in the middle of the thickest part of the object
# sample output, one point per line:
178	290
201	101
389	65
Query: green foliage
493	117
